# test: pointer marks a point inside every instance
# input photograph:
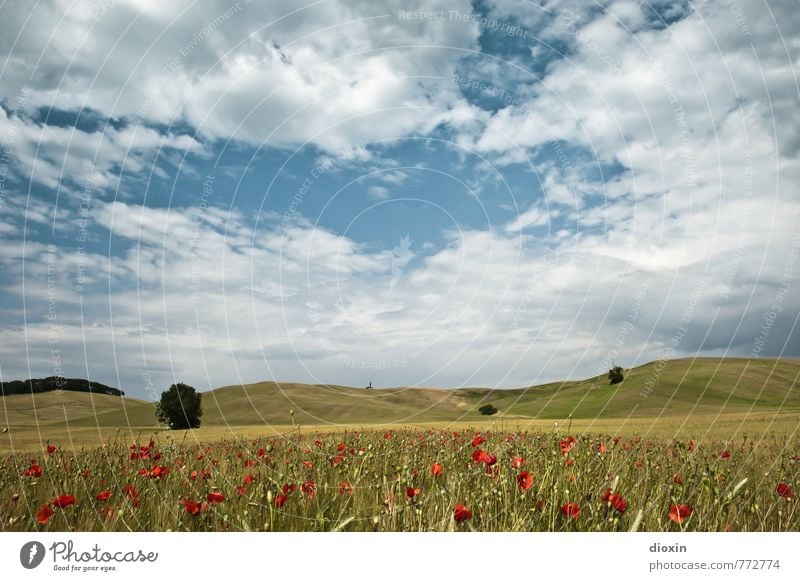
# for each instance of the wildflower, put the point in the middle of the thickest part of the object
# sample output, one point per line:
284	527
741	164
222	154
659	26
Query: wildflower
103	496
524	480
436	469
63	501
571	510
461	513
679	513
51	448
44	514
477	441
280	500
215	497
345	488
784	490
412	492
517	462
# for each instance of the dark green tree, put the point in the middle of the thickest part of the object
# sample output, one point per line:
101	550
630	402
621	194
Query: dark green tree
180	407
488	409
615	375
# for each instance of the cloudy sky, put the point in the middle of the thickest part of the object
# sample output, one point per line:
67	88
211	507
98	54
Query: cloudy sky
440	193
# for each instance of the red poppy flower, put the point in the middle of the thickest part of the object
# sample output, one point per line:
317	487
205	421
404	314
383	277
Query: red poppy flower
249	463
84	473
131	494
44	514
571	510
724	454
677	479
308	488
680	512
341	447
477	441
308	464
615	500
51	448
480	455
35	471
280	500
436	469
287	488
461	513
63	501
566	445
570	462
541	505
524	480
338	459
192	507
158	472
103	496
248	480
345	488
261	452
412	492
785	490
215	497
691	445
517	462
387	436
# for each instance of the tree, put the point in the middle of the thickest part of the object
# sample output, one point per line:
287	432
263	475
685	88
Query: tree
180	407
488	409
615	375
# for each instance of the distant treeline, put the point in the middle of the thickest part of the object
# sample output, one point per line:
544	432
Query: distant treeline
55	383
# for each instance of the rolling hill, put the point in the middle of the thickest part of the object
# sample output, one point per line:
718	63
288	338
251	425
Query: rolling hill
665	388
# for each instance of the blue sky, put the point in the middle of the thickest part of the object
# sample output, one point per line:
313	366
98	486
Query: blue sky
497	193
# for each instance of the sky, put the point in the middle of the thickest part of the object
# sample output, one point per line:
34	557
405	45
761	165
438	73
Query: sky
409	193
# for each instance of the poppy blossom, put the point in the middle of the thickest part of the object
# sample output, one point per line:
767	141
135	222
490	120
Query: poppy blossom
601	448
517	462
103	496
571	510
480	455
308	464
84	473
541	505
341	447
524	480
680	512
477	441
461	513
338	459
784	490
35	471
192	507
63	501
44	514
248	480
51	448
287	488
436	469
215	497
412	492
615	501
280	500
309	488
724	454
677	479
345	488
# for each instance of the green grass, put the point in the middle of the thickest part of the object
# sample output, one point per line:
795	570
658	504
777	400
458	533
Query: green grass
682	388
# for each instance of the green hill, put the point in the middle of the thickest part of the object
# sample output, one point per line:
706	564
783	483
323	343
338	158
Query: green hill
665	388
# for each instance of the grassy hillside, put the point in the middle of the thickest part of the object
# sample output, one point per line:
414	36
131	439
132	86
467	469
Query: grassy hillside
675	388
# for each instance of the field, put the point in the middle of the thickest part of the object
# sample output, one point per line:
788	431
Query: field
710	445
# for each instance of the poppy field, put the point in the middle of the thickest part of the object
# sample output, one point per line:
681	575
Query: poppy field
406	480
